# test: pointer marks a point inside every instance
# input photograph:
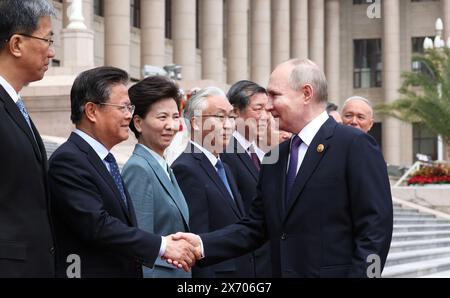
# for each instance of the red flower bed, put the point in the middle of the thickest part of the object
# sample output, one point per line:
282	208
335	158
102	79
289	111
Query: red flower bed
437	174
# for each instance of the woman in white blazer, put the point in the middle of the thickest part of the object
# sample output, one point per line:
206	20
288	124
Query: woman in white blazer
158	201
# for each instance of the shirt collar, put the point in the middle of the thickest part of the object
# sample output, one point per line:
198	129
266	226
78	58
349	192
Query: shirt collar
246	144
308	133
101	150
212	159
9	89
162	162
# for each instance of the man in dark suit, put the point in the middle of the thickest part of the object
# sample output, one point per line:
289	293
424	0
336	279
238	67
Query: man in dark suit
26	241
326	204
243	155
206	182
93	215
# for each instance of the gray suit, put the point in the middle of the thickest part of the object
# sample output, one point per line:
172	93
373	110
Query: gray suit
159	203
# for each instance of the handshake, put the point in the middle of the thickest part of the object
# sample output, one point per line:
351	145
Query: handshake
183	250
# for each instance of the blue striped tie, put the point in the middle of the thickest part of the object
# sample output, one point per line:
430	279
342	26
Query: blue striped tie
24	112
115	173
223	176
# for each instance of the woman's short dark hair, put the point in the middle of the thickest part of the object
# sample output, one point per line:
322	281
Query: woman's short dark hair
94	85
149	91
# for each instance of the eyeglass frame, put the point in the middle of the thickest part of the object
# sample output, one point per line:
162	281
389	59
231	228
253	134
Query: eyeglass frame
130	108
222	118
49	41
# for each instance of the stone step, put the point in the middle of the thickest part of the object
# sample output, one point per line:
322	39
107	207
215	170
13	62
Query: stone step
419	244
396	258
417	221
413	215
421	227
417	269
405	210
442	274
406	236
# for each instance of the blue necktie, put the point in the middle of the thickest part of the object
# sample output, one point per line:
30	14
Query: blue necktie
24	112
223	176
293	161
115	173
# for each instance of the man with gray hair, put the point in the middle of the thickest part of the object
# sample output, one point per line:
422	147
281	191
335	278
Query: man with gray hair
357	112
325	206
26	240
207	183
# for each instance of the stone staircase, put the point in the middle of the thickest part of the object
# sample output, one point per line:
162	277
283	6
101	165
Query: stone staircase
420	245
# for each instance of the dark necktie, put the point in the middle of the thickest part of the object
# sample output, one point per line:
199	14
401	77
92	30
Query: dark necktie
223	176
293	161
115	173
254	157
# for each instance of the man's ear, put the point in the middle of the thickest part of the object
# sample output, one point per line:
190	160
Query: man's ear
15	46
308	92
195	123
91	111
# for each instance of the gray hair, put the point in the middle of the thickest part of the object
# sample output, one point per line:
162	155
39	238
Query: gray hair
22	16
360	98
307	72
199	101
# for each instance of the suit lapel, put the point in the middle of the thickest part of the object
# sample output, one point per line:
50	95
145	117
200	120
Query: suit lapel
206	165
235	191
311	161
246	160
98	164
165	182
17	116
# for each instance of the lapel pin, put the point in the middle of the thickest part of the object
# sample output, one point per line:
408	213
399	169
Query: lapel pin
320	148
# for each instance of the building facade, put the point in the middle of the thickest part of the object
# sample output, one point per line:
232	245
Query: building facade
362	47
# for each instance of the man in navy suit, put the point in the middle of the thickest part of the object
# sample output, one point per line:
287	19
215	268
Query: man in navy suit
325	206
26	240
243	155
93	215
207	183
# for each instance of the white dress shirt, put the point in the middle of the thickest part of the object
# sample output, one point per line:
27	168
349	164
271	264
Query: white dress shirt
246	145
307	134
9	89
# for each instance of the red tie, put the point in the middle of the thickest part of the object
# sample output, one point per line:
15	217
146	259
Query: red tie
254	157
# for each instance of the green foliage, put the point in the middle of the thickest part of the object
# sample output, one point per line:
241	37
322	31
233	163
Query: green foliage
420	99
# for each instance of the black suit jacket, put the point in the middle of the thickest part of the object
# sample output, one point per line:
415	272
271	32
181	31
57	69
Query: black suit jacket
339	213
246	176
91	219
26	241
211	208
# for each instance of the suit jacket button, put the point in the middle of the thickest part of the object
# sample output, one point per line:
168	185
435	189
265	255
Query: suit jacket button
283	236
52	250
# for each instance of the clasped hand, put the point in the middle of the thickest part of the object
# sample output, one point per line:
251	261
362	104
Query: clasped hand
182	250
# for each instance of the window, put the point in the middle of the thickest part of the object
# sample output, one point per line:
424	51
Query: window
135	13
98	8
56	62
424	141
367	63
168	21
360	2
417	48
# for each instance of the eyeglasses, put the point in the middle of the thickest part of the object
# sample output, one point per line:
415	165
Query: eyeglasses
49	41
123	108
222	118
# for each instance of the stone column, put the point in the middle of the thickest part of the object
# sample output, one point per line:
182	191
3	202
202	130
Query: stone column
183	36
332	49
391	79
117	34
260	42
153	40
317	32
446	18
299	28
88	13
237	60
211	39
280	32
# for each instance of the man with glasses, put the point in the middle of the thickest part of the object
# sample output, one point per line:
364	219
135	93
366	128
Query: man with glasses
26	240
207	183
93	215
